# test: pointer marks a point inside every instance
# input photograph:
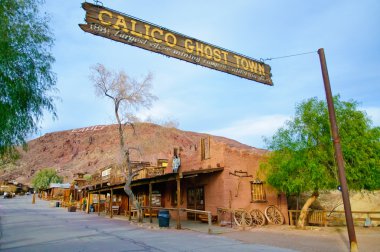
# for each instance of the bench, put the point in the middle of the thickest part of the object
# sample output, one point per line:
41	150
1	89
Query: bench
115	209
154	213
133	212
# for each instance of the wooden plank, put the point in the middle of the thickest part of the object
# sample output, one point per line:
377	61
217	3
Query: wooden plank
178	202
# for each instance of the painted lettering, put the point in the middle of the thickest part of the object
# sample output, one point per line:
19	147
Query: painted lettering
217	56
237	60
225	57
189	46
100	16
208	52
157	30
120	21
170	36
147	31
133	29
199	48
244	63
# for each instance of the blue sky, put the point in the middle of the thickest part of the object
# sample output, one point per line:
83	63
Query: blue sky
205	100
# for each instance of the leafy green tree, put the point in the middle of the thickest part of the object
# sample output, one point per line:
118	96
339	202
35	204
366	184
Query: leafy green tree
302	157
25	71
44	177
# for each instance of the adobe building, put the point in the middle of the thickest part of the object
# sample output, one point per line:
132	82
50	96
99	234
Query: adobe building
210	173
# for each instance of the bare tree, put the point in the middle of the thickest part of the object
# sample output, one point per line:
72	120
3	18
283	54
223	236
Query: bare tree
128	95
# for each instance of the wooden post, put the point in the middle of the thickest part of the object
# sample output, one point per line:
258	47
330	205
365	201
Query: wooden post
110	204
34	198
150	202
178	201
209	222
88	203
98	203
338	152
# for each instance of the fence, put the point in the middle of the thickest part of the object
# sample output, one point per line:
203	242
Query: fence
335	218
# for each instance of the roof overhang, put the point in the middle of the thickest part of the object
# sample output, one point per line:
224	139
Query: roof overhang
163	178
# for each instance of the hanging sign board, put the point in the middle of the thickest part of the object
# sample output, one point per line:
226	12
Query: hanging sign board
123	28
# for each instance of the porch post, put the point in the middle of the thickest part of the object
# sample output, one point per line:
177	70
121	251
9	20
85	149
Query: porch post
88	203
110	204
178	201
150	202
98	203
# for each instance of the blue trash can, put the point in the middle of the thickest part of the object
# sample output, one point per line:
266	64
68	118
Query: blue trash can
163	218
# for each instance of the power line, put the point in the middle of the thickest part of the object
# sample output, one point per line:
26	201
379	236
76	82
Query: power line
288	56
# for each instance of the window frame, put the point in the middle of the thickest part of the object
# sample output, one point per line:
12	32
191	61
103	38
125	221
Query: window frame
258	193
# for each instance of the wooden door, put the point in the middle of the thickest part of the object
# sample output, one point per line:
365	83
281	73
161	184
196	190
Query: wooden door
195	200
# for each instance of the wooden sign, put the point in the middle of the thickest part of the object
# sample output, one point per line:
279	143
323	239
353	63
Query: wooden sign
123	28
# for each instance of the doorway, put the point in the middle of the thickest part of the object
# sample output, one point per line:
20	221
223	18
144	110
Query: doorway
195	200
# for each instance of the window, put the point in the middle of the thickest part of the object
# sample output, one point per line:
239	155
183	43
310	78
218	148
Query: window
175	152
258	191
205	148
162	162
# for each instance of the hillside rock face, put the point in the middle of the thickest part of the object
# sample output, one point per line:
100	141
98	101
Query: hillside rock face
86	150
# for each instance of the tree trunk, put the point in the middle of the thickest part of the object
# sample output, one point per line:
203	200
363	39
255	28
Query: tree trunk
303	215
128	189
126	163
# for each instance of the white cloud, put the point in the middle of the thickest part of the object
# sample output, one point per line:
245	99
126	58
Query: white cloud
250	131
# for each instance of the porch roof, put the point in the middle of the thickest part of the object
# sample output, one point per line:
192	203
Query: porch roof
201	171
163	178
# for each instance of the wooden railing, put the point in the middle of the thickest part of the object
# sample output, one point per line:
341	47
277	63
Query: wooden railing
117	177
334	218
186	210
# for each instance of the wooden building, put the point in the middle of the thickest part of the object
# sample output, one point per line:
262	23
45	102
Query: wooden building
62	192
215	174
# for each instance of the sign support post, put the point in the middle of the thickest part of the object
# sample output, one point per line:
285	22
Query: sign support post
338	152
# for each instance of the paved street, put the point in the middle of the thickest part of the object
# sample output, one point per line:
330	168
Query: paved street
39	227
27	227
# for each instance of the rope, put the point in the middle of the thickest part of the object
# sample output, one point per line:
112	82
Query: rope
288	56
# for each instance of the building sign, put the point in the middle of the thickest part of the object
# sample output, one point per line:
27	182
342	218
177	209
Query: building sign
123	28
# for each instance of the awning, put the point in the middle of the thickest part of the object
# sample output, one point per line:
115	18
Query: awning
162	178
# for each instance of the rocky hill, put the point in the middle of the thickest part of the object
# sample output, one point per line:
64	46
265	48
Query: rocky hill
88	149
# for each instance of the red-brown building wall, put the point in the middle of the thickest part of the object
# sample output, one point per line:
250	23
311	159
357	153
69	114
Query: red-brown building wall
230	188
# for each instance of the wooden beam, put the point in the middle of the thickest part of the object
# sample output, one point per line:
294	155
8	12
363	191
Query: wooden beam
88	203
150	203
178	201
110	204
98	203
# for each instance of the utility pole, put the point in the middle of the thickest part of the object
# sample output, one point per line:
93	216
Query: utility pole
338	153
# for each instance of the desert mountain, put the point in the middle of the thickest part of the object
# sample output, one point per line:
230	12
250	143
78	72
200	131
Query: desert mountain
89	149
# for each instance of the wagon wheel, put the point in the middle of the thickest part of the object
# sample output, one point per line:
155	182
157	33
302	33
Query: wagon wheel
258	218
241	216
274	215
